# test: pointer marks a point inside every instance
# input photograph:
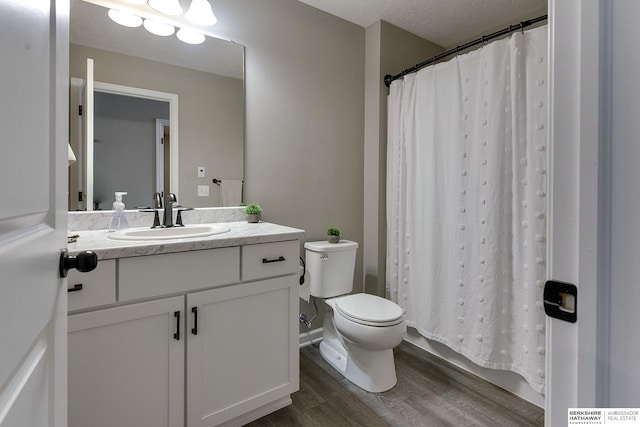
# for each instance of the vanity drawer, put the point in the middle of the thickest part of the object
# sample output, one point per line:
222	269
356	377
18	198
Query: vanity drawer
270	259
155	275
92	289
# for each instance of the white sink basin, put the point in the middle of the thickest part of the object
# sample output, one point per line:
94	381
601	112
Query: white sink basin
172	233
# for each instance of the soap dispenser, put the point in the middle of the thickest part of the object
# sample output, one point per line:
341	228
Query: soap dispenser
118	220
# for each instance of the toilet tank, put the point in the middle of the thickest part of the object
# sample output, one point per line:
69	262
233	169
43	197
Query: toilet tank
331	267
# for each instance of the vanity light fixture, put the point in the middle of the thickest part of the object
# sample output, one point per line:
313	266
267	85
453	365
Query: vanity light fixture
125	18
158	28
200	13
190	36
168	7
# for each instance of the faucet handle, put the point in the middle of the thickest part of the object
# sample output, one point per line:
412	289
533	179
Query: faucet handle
157	201
179	218
156	217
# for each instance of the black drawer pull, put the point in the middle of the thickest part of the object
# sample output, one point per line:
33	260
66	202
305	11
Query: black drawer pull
176	336
75	288
194	330
267	261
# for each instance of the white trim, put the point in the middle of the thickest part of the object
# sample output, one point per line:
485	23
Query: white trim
507	380
160	125
88	136
576	353
258	413
172	99
314	336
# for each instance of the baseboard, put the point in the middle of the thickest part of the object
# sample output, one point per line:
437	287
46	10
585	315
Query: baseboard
507	380
311	337
258	413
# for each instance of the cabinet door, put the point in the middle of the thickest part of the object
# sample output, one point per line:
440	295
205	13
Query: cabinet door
126	366
244	352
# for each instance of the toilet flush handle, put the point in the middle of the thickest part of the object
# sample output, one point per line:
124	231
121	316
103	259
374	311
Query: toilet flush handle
324	257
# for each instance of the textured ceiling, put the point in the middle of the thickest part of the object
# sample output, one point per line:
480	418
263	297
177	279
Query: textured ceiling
444	22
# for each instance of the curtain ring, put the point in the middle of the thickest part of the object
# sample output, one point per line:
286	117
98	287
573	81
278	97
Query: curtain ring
522	27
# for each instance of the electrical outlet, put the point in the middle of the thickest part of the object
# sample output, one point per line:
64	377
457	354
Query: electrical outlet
201	173
203	190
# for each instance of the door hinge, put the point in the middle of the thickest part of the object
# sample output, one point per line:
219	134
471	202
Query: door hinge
561	300
79	110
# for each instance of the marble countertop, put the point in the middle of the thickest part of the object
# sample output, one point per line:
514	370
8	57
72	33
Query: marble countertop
240	233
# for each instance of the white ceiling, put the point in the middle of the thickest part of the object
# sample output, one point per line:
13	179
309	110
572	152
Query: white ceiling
444	22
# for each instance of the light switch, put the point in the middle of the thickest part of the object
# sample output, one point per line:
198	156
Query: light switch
201	173
203	190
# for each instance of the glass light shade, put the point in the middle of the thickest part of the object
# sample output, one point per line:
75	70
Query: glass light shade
190	36
200	13
136	1
158	28
168	7
124	18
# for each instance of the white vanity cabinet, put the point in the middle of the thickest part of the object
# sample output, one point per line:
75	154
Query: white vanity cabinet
241	328
226	318
125	367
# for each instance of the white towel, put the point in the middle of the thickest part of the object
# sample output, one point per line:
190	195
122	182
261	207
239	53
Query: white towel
231	192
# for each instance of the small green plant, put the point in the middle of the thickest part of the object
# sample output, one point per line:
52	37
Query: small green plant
333	231
252	209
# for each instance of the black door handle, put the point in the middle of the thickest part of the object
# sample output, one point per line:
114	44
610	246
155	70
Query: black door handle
268	261
84	262
76	288
176	336
194	330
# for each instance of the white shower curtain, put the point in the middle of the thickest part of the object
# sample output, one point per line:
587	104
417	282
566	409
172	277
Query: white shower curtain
466	202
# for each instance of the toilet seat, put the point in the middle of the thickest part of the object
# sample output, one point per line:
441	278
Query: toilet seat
369	310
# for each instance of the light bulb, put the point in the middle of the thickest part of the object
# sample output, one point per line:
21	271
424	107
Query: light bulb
124	18
200	13
190	36
168	7
158	28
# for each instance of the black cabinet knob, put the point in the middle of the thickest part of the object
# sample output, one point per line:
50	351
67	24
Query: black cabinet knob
83	262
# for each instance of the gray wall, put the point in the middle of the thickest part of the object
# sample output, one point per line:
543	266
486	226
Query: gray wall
125	148
305	115
389	50
211	111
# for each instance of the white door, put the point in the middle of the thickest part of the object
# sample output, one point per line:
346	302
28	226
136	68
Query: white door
594	231
33	170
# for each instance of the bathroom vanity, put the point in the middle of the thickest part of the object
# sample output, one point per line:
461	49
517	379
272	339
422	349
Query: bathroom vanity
184	332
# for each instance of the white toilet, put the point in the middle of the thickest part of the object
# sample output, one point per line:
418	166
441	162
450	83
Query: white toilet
361	331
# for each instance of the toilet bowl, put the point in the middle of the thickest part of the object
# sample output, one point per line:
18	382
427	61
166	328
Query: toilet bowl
361	330
358	339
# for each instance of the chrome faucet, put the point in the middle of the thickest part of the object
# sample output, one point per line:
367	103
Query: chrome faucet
157	201
167	220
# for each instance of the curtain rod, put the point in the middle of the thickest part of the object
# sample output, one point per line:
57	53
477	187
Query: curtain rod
511	28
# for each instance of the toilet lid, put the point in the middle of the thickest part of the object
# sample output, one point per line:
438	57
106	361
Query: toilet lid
369	309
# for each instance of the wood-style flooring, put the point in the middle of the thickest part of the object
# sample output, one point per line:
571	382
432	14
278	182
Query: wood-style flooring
430	392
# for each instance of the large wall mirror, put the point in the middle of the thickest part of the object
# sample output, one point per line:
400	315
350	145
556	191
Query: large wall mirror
164	112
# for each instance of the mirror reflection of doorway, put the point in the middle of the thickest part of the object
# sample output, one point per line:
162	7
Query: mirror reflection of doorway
125	149
163	153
